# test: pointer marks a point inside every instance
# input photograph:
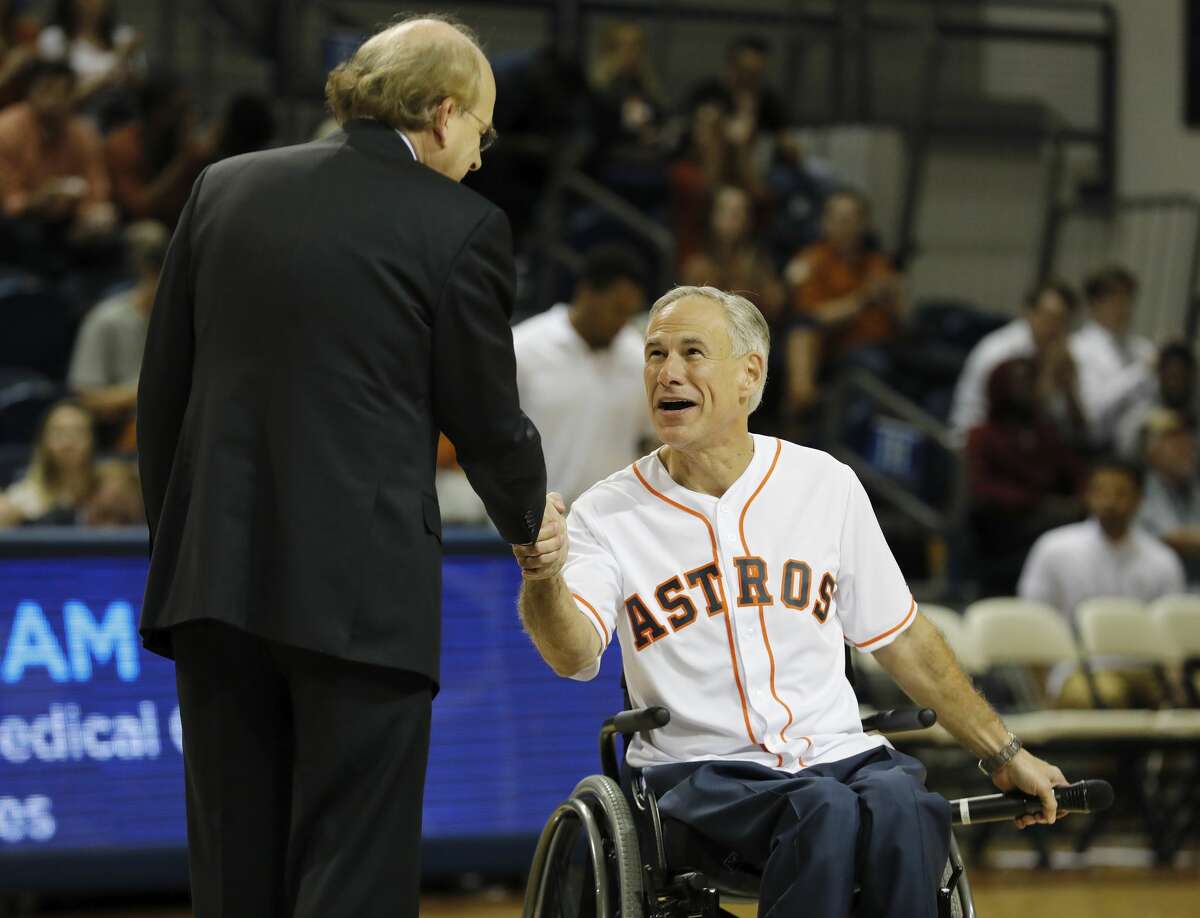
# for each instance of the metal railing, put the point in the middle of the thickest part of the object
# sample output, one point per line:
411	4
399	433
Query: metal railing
944	518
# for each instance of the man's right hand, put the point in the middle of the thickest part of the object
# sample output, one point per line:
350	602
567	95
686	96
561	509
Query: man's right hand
546	557
1029	774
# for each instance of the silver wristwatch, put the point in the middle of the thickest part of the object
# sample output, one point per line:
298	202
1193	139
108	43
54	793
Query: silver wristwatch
993	763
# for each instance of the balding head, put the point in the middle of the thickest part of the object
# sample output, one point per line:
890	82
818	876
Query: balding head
399	76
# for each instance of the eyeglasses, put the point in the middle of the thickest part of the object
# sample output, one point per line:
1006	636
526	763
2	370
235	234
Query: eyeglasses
489	136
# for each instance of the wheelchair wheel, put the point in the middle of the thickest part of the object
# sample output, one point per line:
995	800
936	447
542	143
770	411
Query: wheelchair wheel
609	883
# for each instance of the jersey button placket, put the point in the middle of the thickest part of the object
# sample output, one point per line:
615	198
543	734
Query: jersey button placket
743	625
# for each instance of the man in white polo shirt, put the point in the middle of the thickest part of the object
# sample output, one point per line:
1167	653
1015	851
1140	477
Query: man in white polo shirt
579	373
1106	554
734	569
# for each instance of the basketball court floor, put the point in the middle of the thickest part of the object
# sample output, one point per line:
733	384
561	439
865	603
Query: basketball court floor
1092	893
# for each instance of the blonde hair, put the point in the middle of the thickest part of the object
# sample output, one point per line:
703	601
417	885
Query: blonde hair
43	476
748	330
400	81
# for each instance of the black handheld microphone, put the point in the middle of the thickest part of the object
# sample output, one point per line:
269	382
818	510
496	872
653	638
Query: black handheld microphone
1080	797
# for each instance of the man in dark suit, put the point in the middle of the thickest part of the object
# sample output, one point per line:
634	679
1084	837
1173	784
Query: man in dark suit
324	310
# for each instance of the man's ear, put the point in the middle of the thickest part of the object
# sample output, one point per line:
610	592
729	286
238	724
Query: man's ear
753	372
441	120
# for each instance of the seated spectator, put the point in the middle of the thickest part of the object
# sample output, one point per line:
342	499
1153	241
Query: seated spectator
1171	506
847	295
579	372
713	153
630	152
61	475
756	110
1175	390
85	35
798	185
154	159
1106	555
1115	366
18	49
108	350
116	497
733	259
1041	333
52	161
1023	479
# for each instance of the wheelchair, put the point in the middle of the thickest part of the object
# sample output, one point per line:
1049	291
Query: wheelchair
641	864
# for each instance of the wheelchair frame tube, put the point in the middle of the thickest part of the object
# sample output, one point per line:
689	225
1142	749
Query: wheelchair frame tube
962	886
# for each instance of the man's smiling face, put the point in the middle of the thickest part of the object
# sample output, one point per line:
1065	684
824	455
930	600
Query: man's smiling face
698	392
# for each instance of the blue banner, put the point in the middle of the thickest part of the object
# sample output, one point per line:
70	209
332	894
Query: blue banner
89	725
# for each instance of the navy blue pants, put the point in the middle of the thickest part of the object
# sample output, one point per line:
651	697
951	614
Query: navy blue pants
865	822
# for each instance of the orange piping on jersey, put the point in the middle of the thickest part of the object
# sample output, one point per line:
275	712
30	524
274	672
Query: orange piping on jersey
761	485
595	615
712	537
879	637
807	739
762	620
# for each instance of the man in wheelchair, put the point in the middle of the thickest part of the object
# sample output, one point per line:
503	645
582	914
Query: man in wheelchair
734	568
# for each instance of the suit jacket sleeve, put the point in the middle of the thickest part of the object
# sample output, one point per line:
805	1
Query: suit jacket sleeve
475	385
166	378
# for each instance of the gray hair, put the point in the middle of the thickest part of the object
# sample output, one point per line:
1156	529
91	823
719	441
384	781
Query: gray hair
748	330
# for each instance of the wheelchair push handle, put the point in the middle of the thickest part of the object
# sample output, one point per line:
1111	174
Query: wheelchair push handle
900	721
630	722
1080	797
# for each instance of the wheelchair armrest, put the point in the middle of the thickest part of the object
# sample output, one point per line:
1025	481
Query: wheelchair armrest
627	723
900	721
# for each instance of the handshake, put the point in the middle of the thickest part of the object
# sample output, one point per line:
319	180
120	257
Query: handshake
544	559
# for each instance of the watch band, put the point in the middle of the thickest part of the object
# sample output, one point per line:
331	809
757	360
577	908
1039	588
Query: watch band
994	763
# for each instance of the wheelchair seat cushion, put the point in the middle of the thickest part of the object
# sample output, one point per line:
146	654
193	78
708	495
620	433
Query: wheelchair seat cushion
688	851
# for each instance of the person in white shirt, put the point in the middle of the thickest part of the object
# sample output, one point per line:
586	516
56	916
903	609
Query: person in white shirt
1115	366
1106	555
1040	332
734	569
578	373
1170	509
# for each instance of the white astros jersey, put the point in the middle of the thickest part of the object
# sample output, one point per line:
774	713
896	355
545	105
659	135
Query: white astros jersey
734	612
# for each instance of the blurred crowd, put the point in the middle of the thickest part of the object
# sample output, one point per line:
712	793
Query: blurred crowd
1077	435
98	152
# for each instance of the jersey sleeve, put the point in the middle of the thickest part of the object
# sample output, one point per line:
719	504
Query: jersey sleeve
873	600
594	579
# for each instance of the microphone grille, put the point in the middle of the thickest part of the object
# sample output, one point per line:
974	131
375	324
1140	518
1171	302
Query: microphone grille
1085	796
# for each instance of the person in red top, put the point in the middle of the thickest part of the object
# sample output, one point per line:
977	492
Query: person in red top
51	161
1023	478
844	295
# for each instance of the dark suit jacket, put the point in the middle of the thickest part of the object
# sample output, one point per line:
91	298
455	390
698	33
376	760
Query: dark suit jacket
323	311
